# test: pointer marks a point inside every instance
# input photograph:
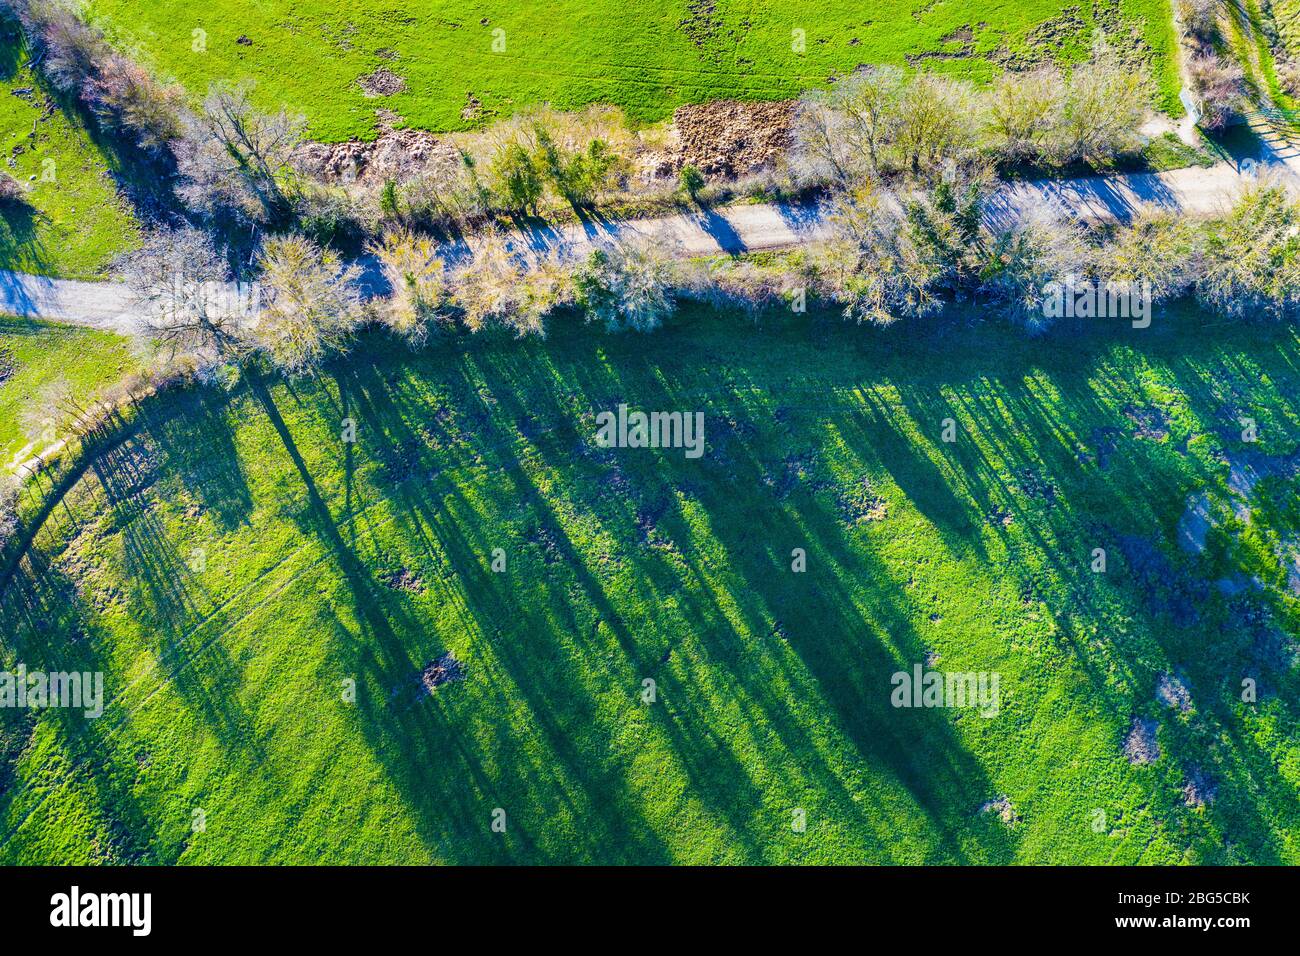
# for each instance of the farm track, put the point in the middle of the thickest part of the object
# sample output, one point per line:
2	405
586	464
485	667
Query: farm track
730	230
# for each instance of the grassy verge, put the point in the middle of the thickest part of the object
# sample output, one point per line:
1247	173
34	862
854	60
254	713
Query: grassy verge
44	352
74	221
234	564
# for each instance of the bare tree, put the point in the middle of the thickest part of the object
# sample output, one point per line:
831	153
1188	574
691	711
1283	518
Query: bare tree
1021	112
936	121
1044	246
419	284
844	131
180	279
872	264
1156	247
628	285
235	157
1102	109
310	304
512	289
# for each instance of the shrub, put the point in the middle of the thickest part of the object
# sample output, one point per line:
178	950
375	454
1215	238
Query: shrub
516	179
1042	248
691	181
627	285
8	509
1222	86
1200	20
12	192
1251	262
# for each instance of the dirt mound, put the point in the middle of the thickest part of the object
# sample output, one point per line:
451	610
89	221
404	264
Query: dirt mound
442	670
395	153
1141	746
1172	692
730	138
1199	789
1003	808
382	82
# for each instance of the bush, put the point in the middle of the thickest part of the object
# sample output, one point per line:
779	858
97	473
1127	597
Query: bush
1043	248
691	180
8	510
1022	111
627	285
1200	20
516	179
1222	86
1251	262
12	192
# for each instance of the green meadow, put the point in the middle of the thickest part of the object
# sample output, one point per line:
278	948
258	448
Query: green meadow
262	597
75	220
465	63
36	355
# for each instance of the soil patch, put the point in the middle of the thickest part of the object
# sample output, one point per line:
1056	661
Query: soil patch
729	138
1141	747
382	82
441	670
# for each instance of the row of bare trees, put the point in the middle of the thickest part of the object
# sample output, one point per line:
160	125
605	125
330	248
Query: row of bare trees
880	121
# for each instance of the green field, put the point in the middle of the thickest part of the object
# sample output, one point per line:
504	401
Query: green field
75	221
232	562
648	58
46	352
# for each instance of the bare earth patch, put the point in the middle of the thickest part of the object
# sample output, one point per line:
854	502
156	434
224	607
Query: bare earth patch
442	670
1172	692
382	82
1141	747
729	138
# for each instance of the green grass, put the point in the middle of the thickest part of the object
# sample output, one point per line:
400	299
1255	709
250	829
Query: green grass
231	563
74	221
43	352
648	58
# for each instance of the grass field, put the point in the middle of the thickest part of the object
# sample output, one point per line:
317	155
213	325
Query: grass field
232	563
75	221
46	352
647	58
